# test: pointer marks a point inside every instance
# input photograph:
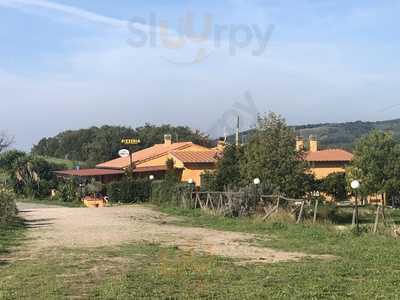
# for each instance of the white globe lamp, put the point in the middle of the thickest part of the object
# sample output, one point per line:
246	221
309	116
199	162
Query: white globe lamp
355	184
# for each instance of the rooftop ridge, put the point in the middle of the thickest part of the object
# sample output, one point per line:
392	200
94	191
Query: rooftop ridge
144	155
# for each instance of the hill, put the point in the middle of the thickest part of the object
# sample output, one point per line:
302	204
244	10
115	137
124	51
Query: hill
69	164
338	135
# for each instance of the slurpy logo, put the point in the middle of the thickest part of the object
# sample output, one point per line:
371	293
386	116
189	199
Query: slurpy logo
202	40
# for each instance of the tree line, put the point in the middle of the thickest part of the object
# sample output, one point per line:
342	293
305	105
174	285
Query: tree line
99	144
338	135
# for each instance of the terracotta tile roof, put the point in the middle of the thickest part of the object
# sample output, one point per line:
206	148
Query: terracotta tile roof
89	172
337	155
196	156
143	155
150	169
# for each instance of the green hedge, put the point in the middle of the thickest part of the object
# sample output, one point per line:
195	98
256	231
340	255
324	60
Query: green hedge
129	190
8	208
167	192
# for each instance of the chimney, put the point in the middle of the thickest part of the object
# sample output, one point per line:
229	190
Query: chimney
299	143
221	145
168	139
313	144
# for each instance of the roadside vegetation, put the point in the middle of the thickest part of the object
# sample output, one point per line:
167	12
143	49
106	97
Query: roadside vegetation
11	227
11	236
8	209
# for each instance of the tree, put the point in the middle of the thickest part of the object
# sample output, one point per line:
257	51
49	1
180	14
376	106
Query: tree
8	159
5	141
271	155
376	163
228	168
151	134
335	185
99	144
171	177
30	175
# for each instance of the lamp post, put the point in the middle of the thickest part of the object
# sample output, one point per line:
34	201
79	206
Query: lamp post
355	185
151	178
257	182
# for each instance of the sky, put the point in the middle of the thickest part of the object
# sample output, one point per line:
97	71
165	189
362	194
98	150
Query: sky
68	64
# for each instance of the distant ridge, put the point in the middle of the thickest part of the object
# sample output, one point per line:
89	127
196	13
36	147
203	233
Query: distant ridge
337	135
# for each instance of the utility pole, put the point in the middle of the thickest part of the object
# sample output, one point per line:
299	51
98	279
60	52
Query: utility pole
238	132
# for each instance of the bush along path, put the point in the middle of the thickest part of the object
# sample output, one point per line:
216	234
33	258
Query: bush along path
8	207
12	229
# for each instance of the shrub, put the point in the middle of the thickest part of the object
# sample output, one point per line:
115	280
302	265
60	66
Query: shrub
8	207
68	191
335	185
209	181
94	188
129	190
30	176
167	192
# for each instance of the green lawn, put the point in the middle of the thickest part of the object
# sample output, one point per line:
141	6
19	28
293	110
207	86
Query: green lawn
70	164
10	236
364	267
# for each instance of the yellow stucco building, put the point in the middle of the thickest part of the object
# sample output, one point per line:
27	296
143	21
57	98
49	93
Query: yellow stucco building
324	162
190	160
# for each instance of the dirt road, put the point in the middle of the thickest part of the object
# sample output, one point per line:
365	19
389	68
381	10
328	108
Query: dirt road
52	227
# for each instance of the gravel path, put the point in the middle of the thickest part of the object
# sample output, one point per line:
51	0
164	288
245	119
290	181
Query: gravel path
52	227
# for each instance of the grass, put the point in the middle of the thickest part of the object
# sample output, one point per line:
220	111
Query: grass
48	201
11	235
138	271
365	267
59	274
69	164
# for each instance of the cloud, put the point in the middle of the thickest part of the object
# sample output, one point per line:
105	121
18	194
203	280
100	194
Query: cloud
65	9
106	81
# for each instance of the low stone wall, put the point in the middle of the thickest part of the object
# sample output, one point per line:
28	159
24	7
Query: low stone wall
8	208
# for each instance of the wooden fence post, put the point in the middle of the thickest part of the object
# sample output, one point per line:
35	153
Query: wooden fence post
212	202
277	203
301	213
377	218
353	221
208	200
